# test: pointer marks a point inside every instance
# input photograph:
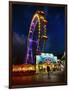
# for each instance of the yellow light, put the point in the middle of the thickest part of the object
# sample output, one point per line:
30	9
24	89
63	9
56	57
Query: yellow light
41	17
39	26
45	20
31	68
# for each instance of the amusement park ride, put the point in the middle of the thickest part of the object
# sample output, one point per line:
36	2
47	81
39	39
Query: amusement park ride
37	35
40	22
35	45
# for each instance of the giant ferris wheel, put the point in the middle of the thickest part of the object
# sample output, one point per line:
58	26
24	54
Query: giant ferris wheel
37	36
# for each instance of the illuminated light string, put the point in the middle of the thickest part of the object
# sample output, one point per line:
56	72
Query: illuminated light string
37	17
44	37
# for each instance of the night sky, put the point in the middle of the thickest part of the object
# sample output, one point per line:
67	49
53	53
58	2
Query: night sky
21	18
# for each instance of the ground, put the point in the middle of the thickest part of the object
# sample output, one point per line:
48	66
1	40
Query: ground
54	78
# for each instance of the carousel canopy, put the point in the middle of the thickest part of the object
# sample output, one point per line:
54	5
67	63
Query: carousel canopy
46	56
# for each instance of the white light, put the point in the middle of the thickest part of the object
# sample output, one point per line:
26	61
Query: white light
38	59
43	54
51	55
55	58
47	55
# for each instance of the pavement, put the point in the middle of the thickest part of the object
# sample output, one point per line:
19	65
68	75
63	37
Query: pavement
40	78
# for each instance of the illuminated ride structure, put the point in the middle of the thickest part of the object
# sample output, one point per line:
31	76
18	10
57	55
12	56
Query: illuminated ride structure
36	37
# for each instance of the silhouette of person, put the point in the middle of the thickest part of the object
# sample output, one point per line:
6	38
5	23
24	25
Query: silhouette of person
48	70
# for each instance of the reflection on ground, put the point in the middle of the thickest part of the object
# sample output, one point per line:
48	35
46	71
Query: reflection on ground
41	78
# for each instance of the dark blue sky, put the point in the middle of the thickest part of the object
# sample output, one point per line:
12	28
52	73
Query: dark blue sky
22	16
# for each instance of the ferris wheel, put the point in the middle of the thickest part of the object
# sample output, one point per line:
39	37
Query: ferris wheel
36	37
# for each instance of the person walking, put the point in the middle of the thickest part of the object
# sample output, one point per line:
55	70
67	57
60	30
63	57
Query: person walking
48	70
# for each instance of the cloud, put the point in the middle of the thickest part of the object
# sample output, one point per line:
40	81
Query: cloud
19	39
